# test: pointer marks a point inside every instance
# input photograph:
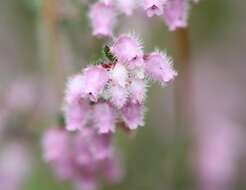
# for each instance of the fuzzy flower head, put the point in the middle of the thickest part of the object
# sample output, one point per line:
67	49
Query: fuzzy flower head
55	144
119	75
105	118
176	14
133	115
112	91
116	88
153	7
138	89
77	115
128	50
74	89
102	18
159	67
118	96
95	79
85	157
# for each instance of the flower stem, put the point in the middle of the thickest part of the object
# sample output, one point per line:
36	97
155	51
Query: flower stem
183	107
50	19
184	79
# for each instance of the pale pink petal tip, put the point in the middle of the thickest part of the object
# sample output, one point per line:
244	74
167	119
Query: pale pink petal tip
133	115
105	118
95	80
128	50
159	67
153	7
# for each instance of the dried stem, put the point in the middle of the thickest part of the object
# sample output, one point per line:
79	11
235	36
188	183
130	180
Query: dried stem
183	101
50	19
184	79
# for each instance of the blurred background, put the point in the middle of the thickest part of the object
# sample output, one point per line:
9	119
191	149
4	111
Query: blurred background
42	42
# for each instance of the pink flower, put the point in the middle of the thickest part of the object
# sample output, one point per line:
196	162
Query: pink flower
153	7
113	170
56	144
104	118
64	168
102	18
159	67
118	96
176	14
137	90
95	79
119	75
82	147
126	6
133	115
80	159
128	50
102	147
77	114
74	89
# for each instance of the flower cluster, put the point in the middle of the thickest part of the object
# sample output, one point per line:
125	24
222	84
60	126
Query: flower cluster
104	96
115	89
103	14
81	157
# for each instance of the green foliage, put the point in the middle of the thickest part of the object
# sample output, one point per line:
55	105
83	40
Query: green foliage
61	119
108	54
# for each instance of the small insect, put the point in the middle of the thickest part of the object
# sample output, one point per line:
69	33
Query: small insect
109	55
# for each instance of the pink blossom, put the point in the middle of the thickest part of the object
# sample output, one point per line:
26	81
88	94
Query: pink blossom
65	168
218	145
176	14
137	90
119	75
128	50
102	18
80	158
55	144
159	67
102	147
95	79
74	89
104	118
153	7
77	115
133	115
118	96
113	170
82	148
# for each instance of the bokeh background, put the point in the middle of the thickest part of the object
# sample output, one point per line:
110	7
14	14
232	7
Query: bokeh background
42	42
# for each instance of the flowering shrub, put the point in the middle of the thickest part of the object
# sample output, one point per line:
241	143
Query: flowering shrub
104	96
115	89
103	14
